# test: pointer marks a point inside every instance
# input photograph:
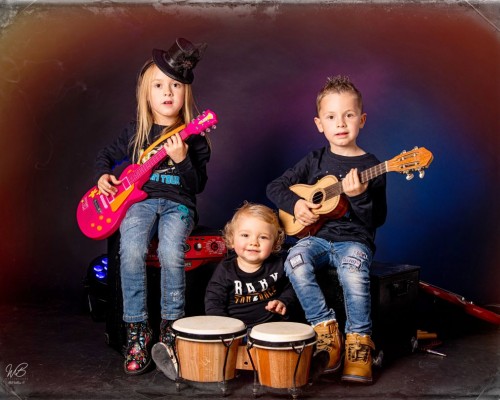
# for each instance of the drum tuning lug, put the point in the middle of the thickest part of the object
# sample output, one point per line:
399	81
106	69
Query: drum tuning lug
409	176
421	173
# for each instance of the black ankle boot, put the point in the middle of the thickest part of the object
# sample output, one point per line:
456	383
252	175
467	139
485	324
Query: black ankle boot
166	333
138	358
164	351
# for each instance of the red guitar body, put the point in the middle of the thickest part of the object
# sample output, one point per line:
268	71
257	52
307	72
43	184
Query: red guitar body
99	215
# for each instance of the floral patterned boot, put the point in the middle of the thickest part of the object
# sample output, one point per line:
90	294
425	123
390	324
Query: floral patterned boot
138	358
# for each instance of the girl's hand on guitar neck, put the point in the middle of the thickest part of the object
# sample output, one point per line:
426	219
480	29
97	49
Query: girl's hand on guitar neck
303	212
107	183
176	148
351	184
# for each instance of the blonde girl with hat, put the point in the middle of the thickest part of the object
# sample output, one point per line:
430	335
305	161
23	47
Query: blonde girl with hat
164	102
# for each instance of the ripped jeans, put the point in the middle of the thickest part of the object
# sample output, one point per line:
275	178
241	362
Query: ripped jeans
352	261
174	223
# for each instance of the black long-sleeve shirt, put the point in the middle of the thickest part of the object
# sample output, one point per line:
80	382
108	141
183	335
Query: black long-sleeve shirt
234	293
179	182
366	212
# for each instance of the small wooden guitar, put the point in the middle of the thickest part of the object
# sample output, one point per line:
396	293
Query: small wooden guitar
328	190
469	307
99	216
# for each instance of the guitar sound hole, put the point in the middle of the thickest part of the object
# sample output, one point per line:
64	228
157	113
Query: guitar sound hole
317	198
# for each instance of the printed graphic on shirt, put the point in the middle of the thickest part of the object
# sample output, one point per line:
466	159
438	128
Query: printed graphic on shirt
166	175
165	172
250	292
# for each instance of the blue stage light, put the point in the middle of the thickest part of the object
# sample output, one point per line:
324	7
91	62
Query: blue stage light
99	266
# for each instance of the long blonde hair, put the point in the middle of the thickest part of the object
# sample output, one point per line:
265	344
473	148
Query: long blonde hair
145	119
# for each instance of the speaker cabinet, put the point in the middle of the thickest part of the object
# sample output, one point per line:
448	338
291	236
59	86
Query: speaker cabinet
394	294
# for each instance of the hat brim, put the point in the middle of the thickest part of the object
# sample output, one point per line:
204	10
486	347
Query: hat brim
159	58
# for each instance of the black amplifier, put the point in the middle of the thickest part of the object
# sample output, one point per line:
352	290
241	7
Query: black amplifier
394	290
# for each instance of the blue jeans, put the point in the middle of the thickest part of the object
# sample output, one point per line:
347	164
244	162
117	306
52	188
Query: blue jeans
352	261
174	223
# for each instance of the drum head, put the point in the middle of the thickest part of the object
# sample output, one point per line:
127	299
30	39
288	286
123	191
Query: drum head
282	335
208	327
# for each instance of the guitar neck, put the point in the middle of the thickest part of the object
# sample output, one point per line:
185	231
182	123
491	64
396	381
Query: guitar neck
373	172
336	189
160	155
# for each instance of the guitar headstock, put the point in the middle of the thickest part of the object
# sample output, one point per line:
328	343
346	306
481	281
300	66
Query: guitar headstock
202	123
408	162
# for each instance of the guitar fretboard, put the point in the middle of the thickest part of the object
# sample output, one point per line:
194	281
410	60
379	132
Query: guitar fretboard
365	176
148	166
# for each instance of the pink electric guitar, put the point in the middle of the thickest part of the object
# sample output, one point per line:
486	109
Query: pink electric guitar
99	216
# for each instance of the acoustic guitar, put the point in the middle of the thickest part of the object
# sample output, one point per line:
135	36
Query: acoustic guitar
99	216
328	190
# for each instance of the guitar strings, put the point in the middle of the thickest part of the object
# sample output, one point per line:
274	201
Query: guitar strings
336	188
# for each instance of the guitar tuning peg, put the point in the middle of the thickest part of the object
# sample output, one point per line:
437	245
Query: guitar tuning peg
409	176
421	173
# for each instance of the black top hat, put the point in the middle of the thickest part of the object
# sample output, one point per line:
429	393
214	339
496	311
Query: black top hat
179	61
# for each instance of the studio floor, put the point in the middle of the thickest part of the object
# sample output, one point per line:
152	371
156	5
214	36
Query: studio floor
52	351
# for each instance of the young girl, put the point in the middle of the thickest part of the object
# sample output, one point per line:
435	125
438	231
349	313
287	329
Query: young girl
164	102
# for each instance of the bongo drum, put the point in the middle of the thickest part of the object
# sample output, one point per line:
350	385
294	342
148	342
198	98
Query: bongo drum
207	347
283	353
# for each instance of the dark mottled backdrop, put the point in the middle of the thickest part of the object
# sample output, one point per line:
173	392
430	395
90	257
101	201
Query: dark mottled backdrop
429	74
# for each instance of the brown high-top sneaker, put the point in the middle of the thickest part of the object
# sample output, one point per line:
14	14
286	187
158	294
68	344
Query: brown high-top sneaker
329	340
358	358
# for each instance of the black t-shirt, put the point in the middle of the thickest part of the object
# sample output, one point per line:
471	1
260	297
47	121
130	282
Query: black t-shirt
177	182
366	212
234	293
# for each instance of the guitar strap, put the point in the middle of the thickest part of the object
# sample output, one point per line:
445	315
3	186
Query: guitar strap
160	140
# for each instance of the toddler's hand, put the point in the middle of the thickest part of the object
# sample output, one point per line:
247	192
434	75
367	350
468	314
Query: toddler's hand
277	307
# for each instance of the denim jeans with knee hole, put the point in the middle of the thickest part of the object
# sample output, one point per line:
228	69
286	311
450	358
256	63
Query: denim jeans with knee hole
352	261
174	223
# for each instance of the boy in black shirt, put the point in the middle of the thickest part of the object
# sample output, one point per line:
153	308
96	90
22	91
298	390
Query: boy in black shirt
341	239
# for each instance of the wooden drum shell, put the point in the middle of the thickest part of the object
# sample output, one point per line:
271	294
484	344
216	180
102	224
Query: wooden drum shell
277	358
201	354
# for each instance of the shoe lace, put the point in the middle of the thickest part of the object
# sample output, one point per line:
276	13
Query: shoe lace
137	335
358	352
